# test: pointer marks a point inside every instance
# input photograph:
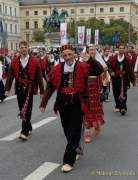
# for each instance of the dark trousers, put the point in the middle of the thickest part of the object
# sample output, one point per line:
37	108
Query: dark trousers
26	125
71	119
116	86
2	96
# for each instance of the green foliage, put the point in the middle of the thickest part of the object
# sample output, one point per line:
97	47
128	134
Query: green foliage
38	35
118	25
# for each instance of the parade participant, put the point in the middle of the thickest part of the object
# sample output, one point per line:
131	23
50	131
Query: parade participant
93	117
132	55
68	78
2	96
106	54
27	73
106	82
45	65
121	73
136	71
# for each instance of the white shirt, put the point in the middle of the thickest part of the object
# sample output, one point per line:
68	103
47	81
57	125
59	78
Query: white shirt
106	58
120	59
136	66
69	68
1	72
24	61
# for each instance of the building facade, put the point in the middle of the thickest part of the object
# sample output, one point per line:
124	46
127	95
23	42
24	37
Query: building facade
21	21
33	12
10	18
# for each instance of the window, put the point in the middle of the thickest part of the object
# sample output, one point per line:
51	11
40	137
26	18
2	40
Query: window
27	24
122	19
35	24
44	12
111	9
72	11
10	11
81	11
15	12
10	28
6	27
11	46
15	28
27	37
0	9
92	10
35	13
16	46
122	9
102	19
27	13
6	10
101	10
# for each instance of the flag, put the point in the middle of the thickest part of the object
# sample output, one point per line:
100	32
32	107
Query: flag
81	34
96	36
102	38
63	33
88	36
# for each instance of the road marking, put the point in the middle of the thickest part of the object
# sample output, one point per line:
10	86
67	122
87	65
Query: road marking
15	135
10	97
42	172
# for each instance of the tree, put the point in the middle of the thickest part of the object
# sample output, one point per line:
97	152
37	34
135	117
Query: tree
38	35
109	30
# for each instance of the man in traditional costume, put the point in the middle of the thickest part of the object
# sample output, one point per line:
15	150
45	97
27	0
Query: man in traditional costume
2	96
28	76
132	55
121	71
69	79
45	64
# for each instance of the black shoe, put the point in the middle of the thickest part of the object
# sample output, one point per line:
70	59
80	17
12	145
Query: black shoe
123	112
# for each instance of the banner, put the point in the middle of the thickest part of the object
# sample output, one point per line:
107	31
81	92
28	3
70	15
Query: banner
102	40
63	33
88	36
81	34
96	36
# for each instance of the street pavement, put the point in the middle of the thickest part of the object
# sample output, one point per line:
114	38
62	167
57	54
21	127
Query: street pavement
113	155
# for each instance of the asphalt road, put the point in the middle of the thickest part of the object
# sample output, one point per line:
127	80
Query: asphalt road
112	155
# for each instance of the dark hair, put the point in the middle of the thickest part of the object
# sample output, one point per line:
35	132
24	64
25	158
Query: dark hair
25	43
1	58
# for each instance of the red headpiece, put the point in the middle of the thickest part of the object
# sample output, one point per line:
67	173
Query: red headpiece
66	47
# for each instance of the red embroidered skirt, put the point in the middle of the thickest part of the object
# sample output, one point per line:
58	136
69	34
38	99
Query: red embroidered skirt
93	107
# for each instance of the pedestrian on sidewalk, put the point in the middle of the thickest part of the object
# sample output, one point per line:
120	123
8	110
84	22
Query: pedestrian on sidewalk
26	71
69	78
